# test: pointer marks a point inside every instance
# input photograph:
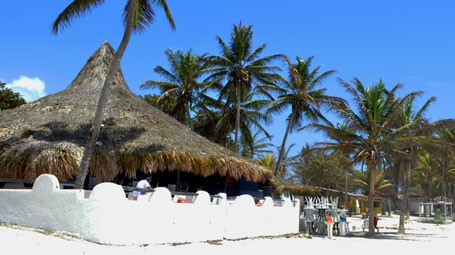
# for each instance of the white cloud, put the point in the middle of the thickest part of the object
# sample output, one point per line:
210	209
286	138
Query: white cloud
30	89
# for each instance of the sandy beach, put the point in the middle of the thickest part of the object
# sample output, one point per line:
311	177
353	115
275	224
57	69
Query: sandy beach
419	238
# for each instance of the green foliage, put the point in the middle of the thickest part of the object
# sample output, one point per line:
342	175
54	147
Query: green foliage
267	160
165	105
318	168
379	127
363	179
144	15
8	98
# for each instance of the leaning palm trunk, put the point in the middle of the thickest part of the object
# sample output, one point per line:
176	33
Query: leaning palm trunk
283	145
104	96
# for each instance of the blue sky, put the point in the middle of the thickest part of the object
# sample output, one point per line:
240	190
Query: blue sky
409	42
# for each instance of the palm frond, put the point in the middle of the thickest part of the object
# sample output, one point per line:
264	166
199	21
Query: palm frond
74	10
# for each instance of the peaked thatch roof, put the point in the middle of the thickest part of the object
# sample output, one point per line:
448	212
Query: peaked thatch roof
48	135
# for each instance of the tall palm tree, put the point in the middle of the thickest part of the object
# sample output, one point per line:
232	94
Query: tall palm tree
137	15
371	133
301	93
182	82
242	67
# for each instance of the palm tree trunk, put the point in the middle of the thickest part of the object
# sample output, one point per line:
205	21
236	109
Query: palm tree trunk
188	113
404	203
453	190
443	178
372	167
237	117
283	145
345	188
104	96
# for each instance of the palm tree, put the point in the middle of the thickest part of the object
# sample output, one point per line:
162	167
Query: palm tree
300	92
447	135
287	163
425	171
242	67
342	137
267	160
137	15
251	119
257	146
206	121
363	179
409	125
182	82
371	133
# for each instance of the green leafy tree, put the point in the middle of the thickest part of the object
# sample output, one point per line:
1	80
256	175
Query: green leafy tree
166	105
137	15
8	98
322	169
242	67
302	94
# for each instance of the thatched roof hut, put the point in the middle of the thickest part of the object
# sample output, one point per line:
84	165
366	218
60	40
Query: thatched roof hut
48	135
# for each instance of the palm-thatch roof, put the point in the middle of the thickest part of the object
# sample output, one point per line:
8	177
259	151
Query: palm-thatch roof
49	135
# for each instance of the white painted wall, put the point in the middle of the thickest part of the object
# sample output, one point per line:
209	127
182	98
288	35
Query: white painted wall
107	216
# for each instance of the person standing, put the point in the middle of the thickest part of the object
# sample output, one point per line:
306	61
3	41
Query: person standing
375	223
142	184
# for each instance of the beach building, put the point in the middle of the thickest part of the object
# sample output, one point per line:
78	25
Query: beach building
41	146
48	136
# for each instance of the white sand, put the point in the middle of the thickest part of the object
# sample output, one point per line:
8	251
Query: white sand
420	238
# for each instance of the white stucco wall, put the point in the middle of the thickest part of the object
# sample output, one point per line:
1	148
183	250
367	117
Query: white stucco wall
107	216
